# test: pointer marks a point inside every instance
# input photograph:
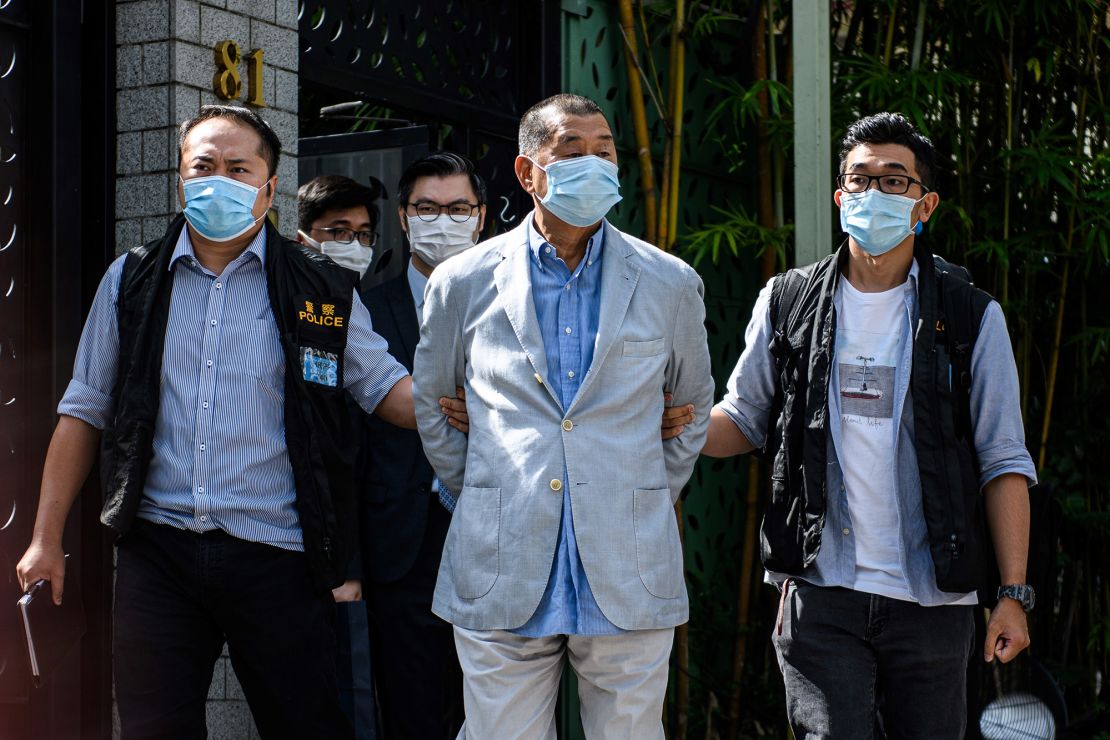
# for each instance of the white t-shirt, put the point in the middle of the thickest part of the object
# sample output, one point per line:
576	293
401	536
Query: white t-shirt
871	332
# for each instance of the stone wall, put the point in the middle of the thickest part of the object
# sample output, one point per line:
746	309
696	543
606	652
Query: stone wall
165	63
164	68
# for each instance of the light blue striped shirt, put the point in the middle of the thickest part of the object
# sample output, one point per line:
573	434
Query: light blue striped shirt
568	307
220	458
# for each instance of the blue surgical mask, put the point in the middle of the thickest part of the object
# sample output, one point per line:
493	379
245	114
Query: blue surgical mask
878	221
581	190
220	208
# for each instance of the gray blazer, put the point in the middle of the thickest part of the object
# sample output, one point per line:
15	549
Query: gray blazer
480	331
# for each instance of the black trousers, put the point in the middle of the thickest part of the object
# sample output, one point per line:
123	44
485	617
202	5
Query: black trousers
180	595
848	657
415	666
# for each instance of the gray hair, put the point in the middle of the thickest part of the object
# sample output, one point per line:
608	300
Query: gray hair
535	126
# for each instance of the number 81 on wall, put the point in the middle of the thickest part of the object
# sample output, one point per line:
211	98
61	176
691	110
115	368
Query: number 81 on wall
227	83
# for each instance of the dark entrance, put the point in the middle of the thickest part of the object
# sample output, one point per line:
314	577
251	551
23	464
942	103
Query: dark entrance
56	167
364	157
467	70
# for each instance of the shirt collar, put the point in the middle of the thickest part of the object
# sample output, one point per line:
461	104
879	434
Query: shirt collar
184	247
911	282
536	243
417	284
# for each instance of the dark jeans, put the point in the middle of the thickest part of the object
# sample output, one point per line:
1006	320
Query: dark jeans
415	666
180	595
847	655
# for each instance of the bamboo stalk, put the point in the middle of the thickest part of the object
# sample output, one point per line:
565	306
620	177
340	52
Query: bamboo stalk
664	222
639	120
918	35
1058	335
888	45
678	72
1008	170
743	606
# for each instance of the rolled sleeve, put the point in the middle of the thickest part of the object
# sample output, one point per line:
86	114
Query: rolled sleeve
996	403
371	372
89	394
751	387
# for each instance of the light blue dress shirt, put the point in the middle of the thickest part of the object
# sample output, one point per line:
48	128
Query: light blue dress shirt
998	434
220	458
568	307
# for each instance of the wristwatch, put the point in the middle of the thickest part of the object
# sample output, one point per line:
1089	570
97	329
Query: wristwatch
1022	593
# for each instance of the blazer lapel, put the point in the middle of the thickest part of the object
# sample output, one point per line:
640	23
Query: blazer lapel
619	276
514	286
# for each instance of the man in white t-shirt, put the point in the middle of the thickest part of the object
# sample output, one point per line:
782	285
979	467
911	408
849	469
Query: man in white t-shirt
888	459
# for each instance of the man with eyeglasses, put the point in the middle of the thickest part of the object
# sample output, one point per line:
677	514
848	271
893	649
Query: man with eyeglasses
883	386
404	524
337	217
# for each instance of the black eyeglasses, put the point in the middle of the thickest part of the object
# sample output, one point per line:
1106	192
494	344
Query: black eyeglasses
459	212
854	182
346	236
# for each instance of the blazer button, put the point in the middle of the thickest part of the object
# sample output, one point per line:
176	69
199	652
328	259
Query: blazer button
567	425
556	484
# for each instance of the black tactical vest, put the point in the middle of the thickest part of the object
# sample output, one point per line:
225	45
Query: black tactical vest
317	419
950	310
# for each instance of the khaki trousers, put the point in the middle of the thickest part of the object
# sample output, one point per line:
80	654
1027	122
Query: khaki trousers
511	683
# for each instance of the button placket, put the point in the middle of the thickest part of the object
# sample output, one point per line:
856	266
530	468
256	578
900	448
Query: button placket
207	389
570	354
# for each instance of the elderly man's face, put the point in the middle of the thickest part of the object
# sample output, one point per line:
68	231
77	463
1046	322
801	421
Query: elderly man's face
222	146
574	136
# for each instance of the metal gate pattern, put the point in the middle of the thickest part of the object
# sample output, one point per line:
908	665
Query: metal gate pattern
16	505
468	69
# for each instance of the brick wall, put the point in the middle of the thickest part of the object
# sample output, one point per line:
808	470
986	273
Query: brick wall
164	68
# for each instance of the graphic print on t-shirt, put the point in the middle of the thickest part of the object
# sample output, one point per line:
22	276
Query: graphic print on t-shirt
866	387
870	342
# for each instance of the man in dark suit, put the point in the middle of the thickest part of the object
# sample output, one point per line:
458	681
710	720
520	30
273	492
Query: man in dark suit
442	211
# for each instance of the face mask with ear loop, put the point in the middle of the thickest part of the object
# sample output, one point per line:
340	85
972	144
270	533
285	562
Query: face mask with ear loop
580	190
219	208
442	237
877	221
353	256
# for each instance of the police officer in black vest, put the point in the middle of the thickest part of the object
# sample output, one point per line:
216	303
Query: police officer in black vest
883	387
211	373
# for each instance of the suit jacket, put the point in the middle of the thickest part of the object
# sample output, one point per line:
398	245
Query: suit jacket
394	476
480	331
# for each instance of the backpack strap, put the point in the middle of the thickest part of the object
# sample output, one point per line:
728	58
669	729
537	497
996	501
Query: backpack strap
784	296
960	314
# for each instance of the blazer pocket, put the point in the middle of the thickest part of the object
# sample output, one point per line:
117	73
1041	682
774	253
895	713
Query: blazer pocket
649	348
474	547
658	548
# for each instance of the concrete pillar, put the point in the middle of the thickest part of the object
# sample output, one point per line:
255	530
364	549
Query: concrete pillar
813	172
165	63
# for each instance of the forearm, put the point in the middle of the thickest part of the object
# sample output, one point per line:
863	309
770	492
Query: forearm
1007	507
724	438
68	462
397	406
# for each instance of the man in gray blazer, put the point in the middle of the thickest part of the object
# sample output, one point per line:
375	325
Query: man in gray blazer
565	333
